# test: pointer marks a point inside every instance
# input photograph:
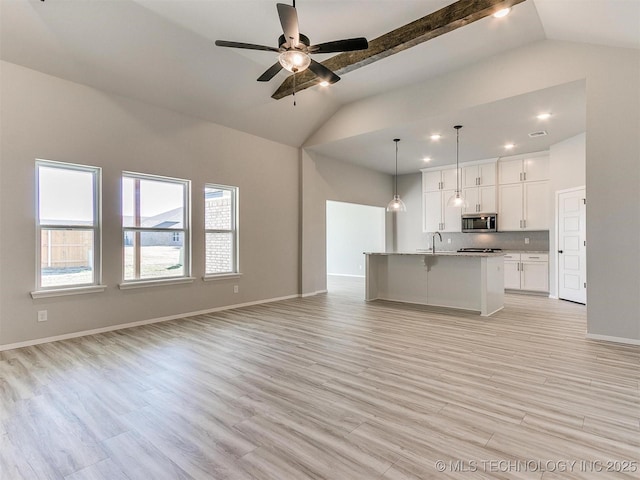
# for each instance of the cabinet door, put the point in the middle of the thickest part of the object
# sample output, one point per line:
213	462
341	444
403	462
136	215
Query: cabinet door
469	176
512	274
487	199
534	276
431	181
449	179
510	207
471	196
487	174
509	171
451	217
536	205
431	211
536	169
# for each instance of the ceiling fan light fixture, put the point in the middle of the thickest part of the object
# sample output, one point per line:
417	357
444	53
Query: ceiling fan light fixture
294	61
324	83
502	13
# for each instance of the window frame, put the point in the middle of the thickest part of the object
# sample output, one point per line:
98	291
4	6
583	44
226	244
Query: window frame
234	231
185	230
96	228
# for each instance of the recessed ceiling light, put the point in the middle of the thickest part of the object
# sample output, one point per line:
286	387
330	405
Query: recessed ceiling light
436	136
502	13
324	83
509	146
426	159
544	116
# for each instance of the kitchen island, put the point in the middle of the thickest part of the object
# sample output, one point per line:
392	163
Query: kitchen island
468	281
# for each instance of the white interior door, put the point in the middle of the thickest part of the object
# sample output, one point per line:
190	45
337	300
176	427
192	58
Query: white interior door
572	249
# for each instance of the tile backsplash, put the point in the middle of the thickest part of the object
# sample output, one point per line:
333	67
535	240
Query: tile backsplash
538	241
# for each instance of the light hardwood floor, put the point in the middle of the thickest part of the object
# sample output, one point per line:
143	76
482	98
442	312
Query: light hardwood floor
326	387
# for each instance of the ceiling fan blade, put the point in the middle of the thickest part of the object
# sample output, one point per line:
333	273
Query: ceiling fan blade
248	46
348	45
289	21
270	73
323	73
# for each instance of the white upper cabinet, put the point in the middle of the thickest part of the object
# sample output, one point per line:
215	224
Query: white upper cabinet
536	205
479	175
523	170
437	217
524	206
431	211
449	179
523	194
433	180
510	208
478	182
536	169
437	187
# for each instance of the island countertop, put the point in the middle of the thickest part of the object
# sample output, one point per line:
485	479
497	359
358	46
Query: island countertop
442	253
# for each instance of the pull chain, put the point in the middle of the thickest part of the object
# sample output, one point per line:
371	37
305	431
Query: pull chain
294	89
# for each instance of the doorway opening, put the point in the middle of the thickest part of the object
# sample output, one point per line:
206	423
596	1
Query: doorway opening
352	229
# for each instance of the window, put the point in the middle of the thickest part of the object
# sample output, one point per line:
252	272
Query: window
155	220
68	225
221	229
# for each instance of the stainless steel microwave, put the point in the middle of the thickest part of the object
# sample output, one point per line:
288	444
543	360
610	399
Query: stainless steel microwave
480	222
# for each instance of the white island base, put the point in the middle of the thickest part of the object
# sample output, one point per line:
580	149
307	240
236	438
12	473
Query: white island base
468	281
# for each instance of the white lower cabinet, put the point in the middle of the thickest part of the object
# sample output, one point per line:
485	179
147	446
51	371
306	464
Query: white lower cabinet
526	271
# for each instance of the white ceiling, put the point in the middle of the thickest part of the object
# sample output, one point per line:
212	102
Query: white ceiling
162	52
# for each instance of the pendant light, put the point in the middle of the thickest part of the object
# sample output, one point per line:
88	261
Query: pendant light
396	205
457	200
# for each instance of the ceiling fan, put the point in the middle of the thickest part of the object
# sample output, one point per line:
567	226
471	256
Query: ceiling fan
294	48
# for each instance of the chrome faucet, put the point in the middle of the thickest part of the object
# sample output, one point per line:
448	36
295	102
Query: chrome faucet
433	241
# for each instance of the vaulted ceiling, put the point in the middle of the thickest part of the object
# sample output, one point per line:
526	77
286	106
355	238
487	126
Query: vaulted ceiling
162	52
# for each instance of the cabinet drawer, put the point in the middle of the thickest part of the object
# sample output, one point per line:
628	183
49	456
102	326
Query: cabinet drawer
512	256
534	257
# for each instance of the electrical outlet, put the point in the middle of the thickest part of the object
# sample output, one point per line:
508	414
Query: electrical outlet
526	241
236	289
448	240
42	315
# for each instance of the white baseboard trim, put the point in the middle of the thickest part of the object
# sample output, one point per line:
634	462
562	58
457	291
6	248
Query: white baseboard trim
311	294
122	326
607	338
553	297
344	275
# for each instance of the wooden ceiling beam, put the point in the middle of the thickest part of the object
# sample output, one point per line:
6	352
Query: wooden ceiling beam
447	19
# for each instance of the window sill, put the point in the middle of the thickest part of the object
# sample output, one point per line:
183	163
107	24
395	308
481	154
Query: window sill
221	276
62	292
155	283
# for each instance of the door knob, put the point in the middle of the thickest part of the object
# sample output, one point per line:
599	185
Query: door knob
559	251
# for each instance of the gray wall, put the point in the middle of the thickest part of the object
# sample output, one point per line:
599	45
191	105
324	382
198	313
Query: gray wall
612	148
45	117
325	179
351	230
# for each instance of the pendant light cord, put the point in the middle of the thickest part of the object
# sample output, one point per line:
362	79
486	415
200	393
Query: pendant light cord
396	186
457	160
458	127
